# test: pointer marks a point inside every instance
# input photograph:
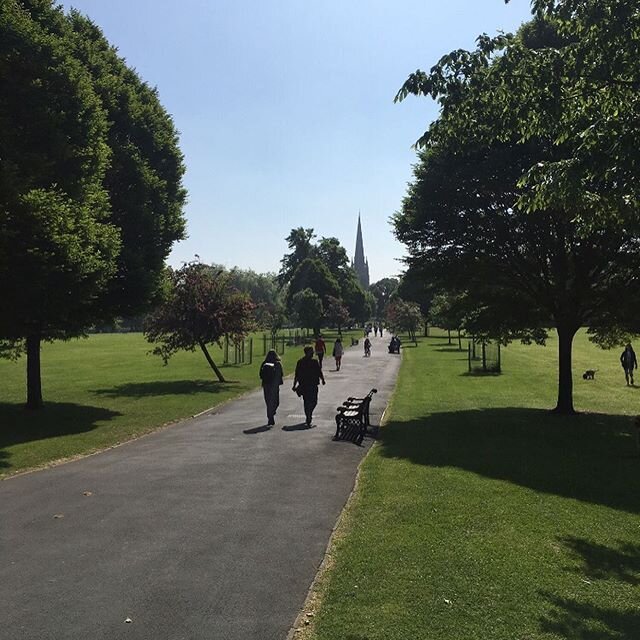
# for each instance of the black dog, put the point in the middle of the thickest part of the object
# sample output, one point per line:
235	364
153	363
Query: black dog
589	374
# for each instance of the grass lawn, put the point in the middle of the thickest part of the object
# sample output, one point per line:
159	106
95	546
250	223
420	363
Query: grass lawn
481	516
107	389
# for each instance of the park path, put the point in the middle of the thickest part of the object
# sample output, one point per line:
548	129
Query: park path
211	529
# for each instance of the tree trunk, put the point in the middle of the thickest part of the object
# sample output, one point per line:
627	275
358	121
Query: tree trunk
449	334
459	340
426	330
212	364
34	383
565	378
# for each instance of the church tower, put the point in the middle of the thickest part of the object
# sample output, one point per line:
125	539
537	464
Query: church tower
360	264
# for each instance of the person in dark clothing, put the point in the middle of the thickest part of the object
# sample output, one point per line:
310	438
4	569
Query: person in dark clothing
271	375
367	347
306	380
629	362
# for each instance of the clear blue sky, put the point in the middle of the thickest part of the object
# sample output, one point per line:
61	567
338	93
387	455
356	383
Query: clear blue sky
285	110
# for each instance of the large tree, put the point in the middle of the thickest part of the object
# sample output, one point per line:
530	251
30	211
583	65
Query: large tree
201	307
57	247
337	279
300	243
90	189
476	220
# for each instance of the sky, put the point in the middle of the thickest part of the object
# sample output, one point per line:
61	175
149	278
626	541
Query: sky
285	111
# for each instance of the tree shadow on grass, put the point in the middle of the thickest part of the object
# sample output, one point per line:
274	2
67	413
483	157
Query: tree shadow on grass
164	388
589	457
18	425
582	620
599	562
575	620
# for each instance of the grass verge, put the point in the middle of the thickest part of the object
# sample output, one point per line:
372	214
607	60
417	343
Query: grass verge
481	515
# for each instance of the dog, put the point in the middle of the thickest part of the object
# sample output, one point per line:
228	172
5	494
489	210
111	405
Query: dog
589	374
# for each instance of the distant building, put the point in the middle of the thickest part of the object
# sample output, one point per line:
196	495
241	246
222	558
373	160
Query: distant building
360	264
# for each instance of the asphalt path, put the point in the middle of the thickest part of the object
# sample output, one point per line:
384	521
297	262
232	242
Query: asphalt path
210	529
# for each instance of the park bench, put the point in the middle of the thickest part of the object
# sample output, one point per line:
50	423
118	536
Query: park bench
352	418
354	342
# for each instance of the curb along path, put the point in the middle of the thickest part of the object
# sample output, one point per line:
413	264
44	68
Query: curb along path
212	529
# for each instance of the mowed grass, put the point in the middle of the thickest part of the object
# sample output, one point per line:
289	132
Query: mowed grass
108	389
480	515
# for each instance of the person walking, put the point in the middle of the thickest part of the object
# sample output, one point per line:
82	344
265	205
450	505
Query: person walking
629	362
321	349
271	375
338	350
367	347
306	380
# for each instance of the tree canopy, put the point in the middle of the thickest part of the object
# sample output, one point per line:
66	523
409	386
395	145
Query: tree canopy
493	209
324	268
91	195
201	307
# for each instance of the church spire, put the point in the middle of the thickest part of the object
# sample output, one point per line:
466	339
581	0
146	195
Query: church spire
360	263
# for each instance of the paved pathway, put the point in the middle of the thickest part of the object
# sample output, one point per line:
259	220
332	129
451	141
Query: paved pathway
211	529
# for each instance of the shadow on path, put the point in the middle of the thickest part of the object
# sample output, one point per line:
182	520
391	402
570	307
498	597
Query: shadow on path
589	457
254	430
164	388
302	426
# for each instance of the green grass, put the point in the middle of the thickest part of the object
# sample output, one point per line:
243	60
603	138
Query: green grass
107	389
480	515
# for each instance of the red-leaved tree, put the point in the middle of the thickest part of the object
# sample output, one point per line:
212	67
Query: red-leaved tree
201	307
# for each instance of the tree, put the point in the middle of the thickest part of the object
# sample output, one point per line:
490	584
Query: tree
90	192
335	313
358	301
472	220
415	287
144	176
57	247
299	241
264	293
403	316
307	307
594	61
201	308
448	311
382	290
313	274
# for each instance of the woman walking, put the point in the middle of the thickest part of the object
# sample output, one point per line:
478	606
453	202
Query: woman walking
271	375
338	350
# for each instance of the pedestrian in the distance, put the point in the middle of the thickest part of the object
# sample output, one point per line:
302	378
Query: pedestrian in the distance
381	331
271	375
629	362
338	350
321	349
367	347
306	380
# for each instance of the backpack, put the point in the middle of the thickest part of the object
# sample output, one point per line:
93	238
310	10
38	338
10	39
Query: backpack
268	372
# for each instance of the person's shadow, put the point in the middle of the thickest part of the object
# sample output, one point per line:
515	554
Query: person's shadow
302	426
254	430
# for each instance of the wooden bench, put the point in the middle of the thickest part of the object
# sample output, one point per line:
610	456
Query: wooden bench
354	342
352	419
